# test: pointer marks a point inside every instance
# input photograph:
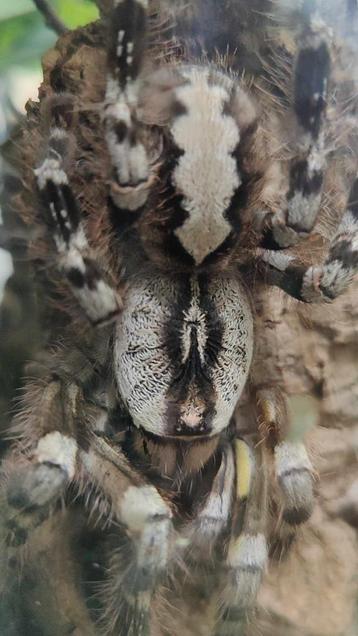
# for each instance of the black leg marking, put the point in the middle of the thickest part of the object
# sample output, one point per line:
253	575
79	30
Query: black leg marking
97	298
293	468
211	519
247	551
126	594
341	265
127	39
127	36
31	489
311	82
319	283
312	73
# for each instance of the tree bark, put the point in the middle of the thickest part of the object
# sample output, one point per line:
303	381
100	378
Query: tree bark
313	590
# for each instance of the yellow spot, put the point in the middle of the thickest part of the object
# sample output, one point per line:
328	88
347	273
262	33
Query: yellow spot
243	468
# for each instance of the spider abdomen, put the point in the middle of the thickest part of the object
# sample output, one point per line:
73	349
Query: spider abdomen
183	351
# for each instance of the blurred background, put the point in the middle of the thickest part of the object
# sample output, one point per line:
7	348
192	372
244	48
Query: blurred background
24	37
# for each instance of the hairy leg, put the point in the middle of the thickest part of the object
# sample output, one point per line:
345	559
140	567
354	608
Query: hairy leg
37	470
247	550
280	417
59	446
126	47
293	469
212	516
91	286
306	170
318	283
44	581
139	557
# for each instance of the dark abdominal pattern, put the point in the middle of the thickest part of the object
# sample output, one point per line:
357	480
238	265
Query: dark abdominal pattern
193	339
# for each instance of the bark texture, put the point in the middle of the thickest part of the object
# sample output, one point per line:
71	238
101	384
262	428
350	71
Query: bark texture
313	590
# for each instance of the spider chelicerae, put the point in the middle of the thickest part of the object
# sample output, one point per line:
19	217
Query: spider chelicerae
204	187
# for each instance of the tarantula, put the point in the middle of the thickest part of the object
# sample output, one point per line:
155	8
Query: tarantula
213	183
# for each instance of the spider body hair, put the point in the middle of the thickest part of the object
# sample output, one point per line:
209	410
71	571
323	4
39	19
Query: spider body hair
168	191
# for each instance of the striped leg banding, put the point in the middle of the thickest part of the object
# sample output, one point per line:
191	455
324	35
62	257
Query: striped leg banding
330	280
247	551
318	283
100	302
293	468
144	537
136	505
39	480
212	518
127	40
295	476
33	485
148	521
126	597
137	568
311	73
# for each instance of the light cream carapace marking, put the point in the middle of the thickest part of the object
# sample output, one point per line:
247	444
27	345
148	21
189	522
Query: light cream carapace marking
206	173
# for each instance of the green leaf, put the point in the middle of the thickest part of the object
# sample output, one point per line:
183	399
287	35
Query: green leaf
23	39
75	14
12	9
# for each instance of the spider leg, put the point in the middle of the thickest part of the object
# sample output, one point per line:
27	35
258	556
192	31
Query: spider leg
282	420
212	517
318	283
139	560
59	446
306	170
35	478
247	551
35	474
96	296
127	38
293	468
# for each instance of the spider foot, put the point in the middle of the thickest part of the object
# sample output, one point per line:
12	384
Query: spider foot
246	561
140	562
149	526
131	182
293	468
295	476
29	493
210	522
35	486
